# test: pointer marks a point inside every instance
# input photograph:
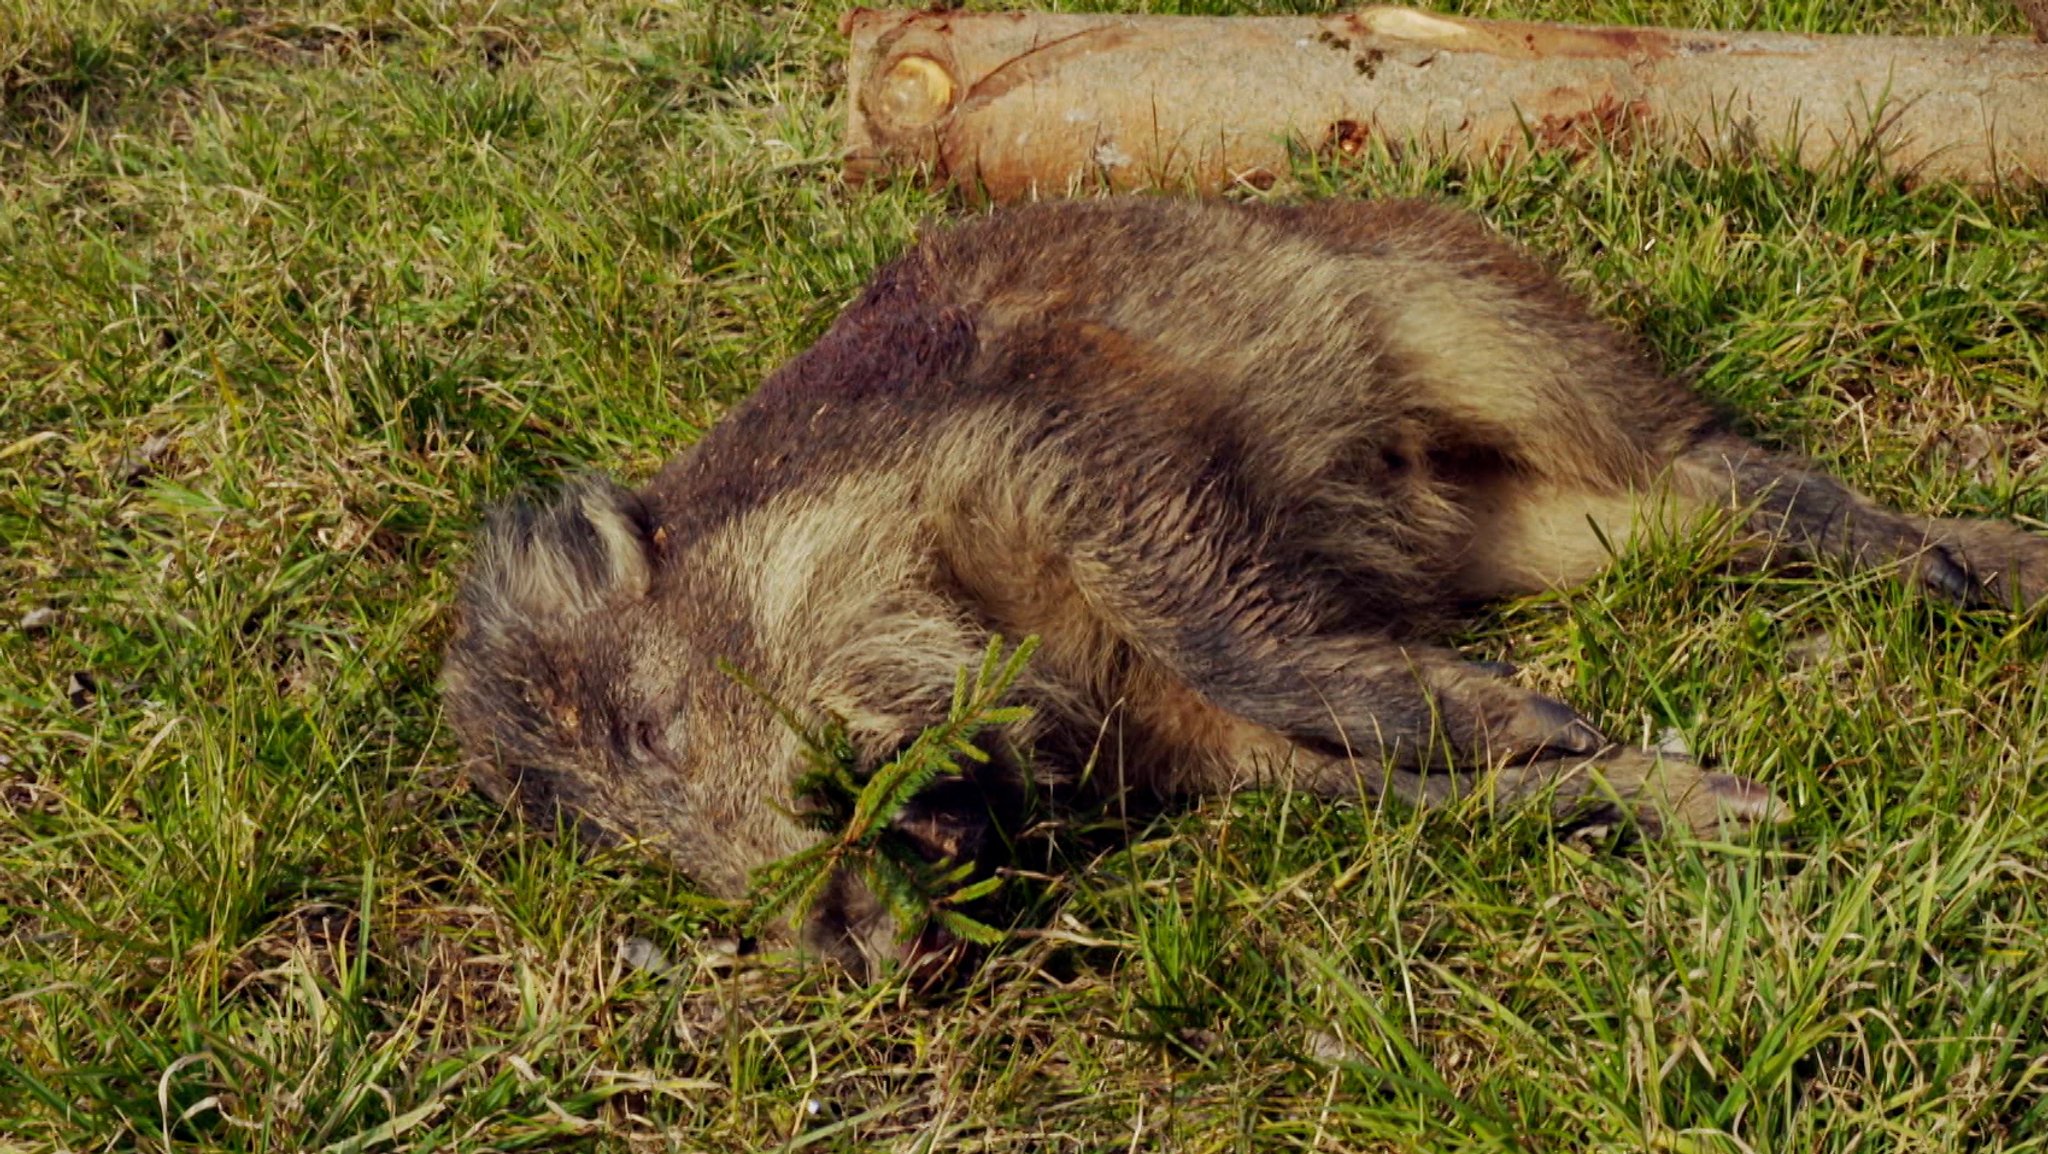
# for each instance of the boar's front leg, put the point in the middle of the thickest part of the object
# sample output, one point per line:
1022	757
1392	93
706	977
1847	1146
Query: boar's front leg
1651	789
1188	579
1656	791
1191	594
1535	747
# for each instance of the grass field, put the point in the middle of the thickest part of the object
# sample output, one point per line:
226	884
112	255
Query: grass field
287	293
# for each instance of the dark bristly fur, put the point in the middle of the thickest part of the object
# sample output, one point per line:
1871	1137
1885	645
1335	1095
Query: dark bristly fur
1234	465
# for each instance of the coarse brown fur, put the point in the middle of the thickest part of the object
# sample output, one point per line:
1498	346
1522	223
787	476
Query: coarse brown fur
1234	465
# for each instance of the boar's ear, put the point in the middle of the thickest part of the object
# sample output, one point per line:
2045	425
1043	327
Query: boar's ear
520	674
585	551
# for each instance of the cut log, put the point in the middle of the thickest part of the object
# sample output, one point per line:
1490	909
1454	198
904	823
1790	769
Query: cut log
1018	104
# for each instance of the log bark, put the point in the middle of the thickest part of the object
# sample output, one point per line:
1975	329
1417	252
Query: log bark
1015	105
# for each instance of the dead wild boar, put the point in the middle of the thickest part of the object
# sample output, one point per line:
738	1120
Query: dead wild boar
1235	465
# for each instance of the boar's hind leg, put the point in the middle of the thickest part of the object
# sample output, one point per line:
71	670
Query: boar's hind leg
1533	535
1529	536
1805	515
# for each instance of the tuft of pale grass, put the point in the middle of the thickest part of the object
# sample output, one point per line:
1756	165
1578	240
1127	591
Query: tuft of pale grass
289	292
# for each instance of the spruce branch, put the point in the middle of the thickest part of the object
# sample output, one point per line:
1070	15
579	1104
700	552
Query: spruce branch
858	808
